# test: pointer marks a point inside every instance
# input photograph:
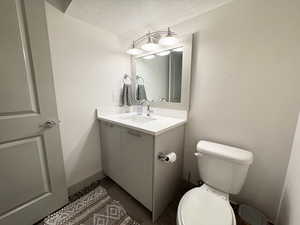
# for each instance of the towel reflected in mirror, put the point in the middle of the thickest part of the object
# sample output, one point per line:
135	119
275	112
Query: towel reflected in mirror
140	90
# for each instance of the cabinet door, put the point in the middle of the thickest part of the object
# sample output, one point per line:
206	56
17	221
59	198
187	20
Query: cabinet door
110	144
137	165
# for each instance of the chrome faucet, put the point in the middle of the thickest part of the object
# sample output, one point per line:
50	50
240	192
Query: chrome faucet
149	110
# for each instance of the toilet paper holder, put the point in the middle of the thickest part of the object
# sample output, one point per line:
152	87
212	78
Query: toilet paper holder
164	157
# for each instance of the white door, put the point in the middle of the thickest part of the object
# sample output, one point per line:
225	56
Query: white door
32	179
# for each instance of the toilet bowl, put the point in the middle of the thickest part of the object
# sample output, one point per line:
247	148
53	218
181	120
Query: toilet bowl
223	170
205	206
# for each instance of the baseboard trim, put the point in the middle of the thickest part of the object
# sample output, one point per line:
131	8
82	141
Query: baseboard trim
85	183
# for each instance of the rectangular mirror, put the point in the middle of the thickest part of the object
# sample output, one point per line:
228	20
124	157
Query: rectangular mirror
163	77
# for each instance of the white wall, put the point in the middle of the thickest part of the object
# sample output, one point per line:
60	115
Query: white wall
88	68
245	89
289	213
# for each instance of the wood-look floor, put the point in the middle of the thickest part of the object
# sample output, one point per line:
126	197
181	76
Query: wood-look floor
135	209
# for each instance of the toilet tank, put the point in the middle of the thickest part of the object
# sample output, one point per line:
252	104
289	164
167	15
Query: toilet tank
223	167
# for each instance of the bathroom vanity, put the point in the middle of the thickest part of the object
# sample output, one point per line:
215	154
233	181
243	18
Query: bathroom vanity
131	146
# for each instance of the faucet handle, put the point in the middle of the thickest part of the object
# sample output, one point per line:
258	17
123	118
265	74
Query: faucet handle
198	154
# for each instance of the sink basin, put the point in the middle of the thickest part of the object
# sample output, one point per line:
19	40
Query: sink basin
138	118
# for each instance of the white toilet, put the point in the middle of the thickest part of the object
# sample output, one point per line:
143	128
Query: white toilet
223	170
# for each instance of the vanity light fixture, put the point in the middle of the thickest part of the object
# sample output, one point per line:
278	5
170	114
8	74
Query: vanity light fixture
169	39
154	40
163	53
149	57
180	49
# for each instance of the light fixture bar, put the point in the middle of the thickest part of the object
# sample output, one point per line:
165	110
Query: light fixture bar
152	44
153	34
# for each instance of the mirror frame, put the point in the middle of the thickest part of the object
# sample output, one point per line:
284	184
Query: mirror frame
184	103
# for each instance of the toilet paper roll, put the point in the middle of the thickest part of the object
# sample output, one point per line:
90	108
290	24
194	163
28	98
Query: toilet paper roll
171	157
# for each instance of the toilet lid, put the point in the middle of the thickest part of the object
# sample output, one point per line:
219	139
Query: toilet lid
201	206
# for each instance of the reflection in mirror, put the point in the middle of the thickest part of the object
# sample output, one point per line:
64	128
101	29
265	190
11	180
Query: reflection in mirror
159	76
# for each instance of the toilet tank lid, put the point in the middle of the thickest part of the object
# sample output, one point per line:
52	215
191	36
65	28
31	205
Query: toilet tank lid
226	152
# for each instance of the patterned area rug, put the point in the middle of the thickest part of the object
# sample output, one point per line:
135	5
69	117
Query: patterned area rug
94	208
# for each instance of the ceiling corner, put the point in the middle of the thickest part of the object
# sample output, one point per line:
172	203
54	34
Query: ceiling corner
61	5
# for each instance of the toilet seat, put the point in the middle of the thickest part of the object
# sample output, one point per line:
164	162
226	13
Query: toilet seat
205	206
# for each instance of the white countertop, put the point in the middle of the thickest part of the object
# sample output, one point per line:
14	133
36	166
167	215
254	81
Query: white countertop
157	126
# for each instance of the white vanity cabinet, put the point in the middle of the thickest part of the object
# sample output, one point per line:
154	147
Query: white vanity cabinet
130	158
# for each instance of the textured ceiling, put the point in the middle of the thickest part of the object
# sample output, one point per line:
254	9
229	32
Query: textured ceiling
130	18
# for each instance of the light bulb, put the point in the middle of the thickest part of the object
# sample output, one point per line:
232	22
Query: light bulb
150	46
168	40
134	51
149	57
163	53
